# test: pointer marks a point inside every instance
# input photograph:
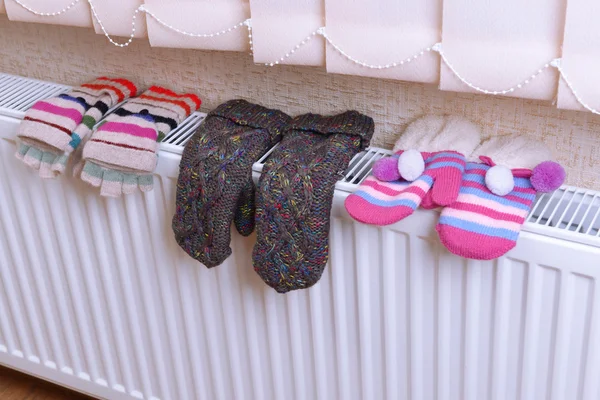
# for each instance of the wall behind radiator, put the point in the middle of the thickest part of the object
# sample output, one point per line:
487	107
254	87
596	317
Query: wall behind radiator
72	55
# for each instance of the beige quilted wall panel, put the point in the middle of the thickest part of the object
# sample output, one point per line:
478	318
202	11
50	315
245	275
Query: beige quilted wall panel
74	55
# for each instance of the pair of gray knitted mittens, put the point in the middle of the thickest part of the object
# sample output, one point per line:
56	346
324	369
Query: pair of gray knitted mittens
295	191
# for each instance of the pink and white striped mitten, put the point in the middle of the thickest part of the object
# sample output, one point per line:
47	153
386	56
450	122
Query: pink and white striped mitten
496	196
426	170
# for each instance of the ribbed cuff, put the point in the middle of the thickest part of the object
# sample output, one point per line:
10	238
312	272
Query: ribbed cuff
190	102
244	113
348	123
118	89
131	87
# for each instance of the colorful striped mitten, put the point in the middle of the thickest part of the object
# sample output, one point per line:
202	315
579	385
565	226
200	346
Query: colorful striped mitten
429	177
53	128
385	203
494	201
215	186
122	152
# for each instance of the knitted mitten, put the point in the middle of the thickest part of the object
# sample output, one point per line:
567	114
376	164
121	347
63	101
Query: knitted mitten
429	177
215	185
388	202
53	128
293	201
494	201
122	152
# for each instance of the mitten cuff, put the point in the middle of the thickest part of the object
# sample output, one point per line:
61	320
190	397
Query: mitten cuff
120	156
117	88
349	123
182	104
244	113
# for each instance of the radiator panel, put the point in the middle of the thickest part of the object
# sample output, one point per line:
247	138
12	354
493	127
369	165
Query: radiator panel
96	295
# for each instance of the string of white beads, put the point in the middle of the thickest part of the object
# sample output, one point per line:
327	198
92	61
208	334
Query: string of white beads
190	34
556	64
295	48
110	39
248	24
437	47
47	14
372	66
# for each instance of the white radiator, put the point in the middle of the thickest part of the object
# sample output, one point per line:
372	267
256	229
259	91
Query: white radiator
96	295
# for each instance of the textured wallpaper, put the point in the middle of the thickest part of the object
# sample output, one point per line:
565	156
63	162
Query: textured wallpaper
74	55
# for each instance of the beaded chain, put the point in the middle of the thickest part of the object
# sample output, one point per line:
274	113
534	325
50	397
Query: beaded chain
437	48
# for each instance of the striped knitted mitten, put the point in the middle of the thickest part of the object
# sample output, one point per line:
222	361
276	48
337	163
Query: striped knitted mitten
384	203
215	185
494	201
122	152
293	201
409	179
53	128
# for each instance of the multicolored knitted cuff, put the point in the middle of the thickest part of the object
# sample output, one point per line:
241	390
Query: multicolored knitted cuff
349	123
128	139
60	123
160	99
167	108
253	115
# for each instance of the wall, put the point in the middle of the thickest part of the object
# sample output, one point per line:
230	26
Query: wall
73	55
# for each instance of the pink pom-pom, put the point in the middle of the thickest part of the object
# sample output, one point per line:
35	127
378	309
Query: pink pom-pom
386	169
548	176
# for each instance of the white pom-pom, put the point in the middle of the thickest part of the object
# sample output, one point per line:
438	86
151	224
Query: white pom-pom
411	165
499	179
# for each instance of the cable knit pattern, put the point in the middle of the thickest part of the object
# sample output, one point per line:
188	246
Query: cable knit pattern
215	184
294	196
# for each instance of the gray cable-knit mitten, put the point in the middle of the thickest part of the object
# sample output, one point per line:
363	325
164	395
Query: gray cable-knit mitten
215	179
293	201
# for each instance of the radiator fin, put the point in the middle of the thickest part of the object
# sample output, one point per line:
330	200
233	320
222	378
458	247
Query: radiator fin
177	139
17	94
569	212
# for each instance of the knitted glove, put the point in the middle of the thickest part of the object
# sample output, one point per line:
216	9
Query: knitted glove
53	128
122	153
215	185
